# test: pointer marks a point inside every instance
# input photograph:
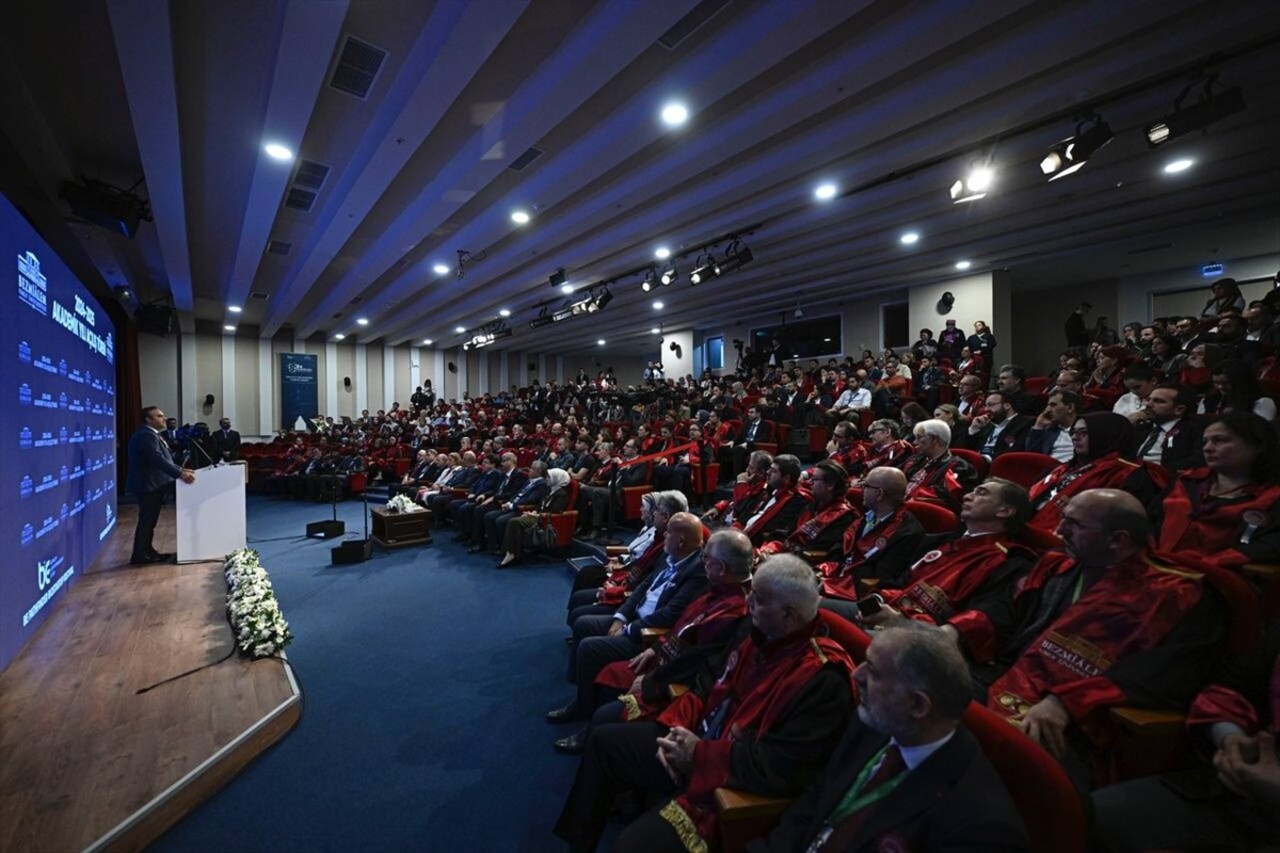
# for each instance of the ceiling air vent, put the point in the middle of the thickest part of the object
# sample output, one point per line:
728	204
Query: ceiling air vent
300	199
358	67
310	175
686	26
279	247
519	164
258	294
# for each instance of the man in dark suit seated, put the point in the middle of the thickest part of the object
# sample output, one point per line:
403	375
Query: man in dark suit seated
151	475
1168	435
1000	429
907	775
226	441
657	602
469	517
734	454
494	520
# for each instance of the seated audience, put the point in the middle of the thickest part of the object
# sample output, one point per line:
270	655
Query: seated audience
777	514
518	529
933	472
1235	389
1167	434
907	775
1000	429
1139	381
1103	624
886	448
1051	432
767	726
881	544
1229	509
822	523
749	492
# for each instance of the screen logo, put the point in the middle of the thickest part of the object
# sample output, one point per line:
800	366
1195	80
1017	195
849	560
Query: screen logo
33	289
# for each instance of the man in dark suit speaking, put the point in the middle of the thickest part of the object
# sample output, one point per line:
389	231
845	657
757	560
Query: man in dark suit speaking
151	475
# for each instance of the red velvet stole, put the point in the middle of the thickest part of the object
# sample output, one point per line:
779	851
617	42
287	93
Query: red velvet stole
707	619
945	578
838	580
809	527
618	585
744	497
853	455
1131	608
1063	482
1194	521
760	679
887	454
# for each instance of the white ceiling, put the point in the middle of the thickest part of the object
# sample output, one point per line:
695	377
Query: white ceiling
891	100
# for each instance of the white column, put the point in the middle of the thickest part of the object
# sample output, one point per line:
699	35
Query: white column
415	369
459	356
504	372
335	381
388	377
437	373
266	389
189	406
228	379
483	384
361	380
560	369
542	368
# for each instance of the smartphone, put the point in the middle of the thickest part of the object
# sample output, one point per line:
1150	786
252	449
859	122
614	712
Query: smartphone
869	606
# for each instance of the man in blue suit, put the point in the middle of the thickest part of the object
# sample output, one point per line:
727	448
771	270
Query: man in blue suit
151	475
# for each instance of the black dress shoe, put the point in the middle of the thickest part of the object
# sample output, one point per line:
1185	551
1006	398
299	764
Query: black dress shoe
574	744
563	715
145	561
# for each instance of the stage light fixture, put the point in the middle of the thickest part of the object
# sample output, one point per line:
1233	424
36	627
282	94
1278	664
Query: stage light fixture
1209	109
1069	156
974	186
669	275
603	300
736	255
703	269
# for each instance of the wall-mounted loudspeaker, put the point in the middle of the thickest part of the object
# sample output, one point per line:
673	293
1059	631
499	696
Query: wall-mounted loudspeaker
946	302
346	382
208	399
453	368
677	349
533	367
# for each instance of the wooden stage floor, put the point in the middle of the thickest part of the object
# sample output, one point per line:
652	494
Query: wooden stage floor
86	762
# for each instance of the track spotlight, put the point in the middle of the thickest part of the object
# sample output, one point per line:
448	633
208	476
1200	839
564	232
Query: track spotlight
603	300
1209	109
669	275
1070	155
974	186
704	268
737	255
650	280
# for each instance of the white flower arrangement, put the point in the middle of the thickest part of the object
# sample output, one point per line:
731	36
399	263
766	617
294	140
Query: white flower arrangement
255	614
402	503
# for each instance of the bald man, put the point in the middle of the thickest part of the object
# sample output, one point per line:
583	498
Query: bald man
881	544
656	603
1103	624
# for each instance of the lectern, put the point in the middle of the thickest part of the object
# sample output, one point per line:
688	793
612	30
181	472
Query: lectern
211	518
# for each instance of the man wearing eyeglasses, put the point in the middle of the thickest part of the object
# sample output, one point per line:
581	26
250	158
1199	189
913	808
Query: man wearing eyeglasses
1101	625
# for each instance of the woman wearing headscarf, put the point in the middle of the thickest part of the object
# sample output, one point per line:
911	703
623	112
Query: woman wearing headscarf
1098	439
557	500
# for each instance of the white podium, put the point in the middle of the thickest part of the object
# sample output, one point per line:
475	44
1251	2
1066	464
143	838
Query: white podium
211	518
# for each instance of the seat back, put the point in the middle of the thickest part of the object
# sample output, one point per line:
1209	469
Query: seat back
974	458
850	637
1025	469
1041	791
933	517
1036	384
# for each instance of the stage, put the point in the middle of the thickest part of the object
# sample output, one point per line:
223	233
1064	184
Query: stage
86	763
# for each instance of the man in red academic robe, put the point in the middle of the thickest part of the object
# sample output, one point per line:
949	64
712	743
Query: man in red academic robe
934	473
750	491
971	563
881	544
822	524
777	516
767	726
1104	624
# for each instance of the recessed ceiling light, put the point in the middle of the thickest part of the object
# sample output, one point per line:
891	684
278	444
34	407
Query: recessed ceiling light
229	328
675	114
277	152
504	313
427	341
655	331
1177	166
440	269
459	329
662	253
963	265
519	217
234	309
910	238
339	337
363	321
657	305
566	288
825	192
600	342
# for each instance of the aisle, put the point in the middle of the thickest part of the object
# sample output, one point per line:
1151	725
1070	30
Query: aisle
426	675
